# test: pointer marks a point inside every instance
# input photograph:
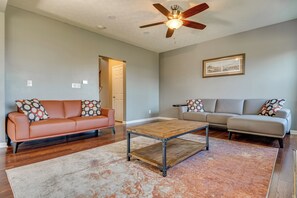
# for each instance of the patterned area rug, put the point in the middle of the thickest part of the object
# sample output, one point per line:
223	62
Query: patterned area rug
228	169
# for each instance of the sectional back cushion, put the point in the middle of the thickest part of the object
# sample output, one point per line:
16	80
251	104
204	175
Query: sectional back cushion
229	106
72	108
209	105
54	108
253	106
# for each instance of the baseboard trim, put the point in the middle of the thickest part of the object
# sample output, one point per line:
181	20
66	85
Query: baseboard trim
3	144
147	120
166	118
293	132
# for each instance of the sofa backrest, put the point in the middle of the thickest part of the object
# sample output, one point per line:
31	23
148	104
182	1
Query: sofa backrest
209	105
253	106
229	106
72	108
54	108
62	108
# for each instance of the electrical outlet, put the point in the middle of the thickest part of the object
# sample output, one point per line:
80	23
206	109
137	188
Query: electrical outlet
149	111
85	82
76	85
29	83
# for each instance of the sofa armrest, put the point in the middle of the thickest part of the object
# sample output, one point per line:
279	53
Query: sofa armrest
286	114
110	114
18	126
181	111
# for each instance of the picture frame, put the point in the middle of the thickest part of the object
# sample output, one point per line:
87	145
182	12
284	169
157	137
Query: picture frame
224	66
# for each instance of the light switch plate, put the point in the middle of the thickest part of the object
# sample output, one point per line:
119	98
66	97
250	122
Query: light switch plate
29	83
76	85
85	82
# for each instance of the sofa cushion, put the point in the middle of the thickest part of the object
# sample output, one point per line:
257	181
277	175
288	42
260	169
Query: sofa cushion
270	107
91	122
195	105
253	106
219	118
54	108
209	105
33	109
197	116
51	127
90	108
229	106
258	124
72	108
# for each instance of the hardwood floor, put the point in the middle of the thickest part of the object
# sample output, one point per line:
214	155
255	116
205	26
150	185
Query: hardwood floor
36	151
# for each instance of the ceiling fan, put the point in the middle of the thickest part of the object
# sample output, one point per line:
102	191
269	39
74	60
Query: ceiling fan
176	18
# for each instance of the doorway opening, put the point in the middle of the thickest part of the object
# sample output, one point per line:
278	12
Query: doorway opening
112	86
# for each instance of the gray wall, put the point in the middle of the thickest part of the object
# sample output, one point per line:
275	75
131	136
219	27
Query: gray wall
271	68
55	54
2	77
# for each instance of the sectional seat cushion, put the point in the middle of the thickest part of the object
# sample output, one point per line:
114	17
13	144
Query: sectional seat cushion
51	127
90	122
234	106
253	106
271	126
197	116
219	118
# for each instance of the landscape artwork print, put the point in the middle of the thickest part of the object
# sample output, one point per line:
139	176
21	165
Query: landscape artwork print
224	66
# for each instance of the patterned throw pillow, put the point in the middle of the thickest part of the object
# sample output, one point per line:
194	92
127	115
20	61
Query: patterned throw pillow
33	109
90	108
195	105
270	107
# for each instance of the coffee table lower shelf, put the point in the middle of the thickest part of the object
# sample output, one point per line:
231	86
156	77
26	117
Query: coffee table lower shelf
177	151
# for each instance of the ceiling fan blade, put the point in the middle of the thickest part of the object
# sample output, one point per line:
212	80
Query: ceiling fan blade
162	9
193	24
169	33
195	10
152	24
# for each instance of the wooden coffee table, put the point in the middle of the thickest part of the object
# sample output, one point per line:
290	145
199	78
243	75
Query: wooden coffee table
166	154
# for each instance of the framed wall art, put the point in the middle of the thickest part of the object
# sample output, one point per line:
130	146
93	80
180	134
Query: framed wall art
224	66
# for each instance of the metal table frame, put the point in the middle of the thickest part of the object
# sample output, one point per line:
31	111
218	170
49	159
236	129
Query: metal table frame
164	144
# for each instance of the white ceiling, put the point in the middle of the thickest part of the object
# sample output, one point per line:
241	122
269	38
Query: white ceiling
122	18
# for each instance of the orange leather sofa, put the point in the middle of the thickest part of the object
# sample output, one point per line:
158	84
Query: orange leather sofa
64	119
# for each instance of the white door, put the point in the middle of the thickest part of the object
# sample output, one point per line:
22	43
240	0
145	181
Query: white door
118	91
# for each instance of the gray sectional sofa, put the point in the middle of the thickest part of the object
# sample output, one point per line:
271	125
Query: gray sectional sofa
241	116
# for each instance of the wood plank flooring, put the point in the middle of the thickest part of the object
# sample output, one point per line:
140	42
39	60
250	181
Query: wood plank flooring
36	151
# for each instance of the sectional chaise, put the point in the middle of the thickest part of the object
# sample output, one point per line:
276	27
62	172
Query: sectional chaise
241	116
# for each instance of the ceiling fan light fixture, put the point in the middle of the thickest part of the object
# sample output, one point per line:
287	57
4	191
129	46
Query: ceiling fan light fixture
174	23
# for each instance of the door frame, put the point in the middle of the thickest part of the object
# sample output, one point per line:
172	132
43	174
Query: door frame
110	81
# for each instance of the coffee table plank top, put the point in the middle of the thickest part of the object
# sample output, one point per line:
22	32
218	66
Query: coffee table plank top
167	129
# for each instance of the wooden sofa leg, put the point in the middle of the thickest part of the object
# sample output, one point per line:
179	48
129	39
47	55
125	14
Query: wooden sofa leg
15	146
230	135
281	142
113	130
